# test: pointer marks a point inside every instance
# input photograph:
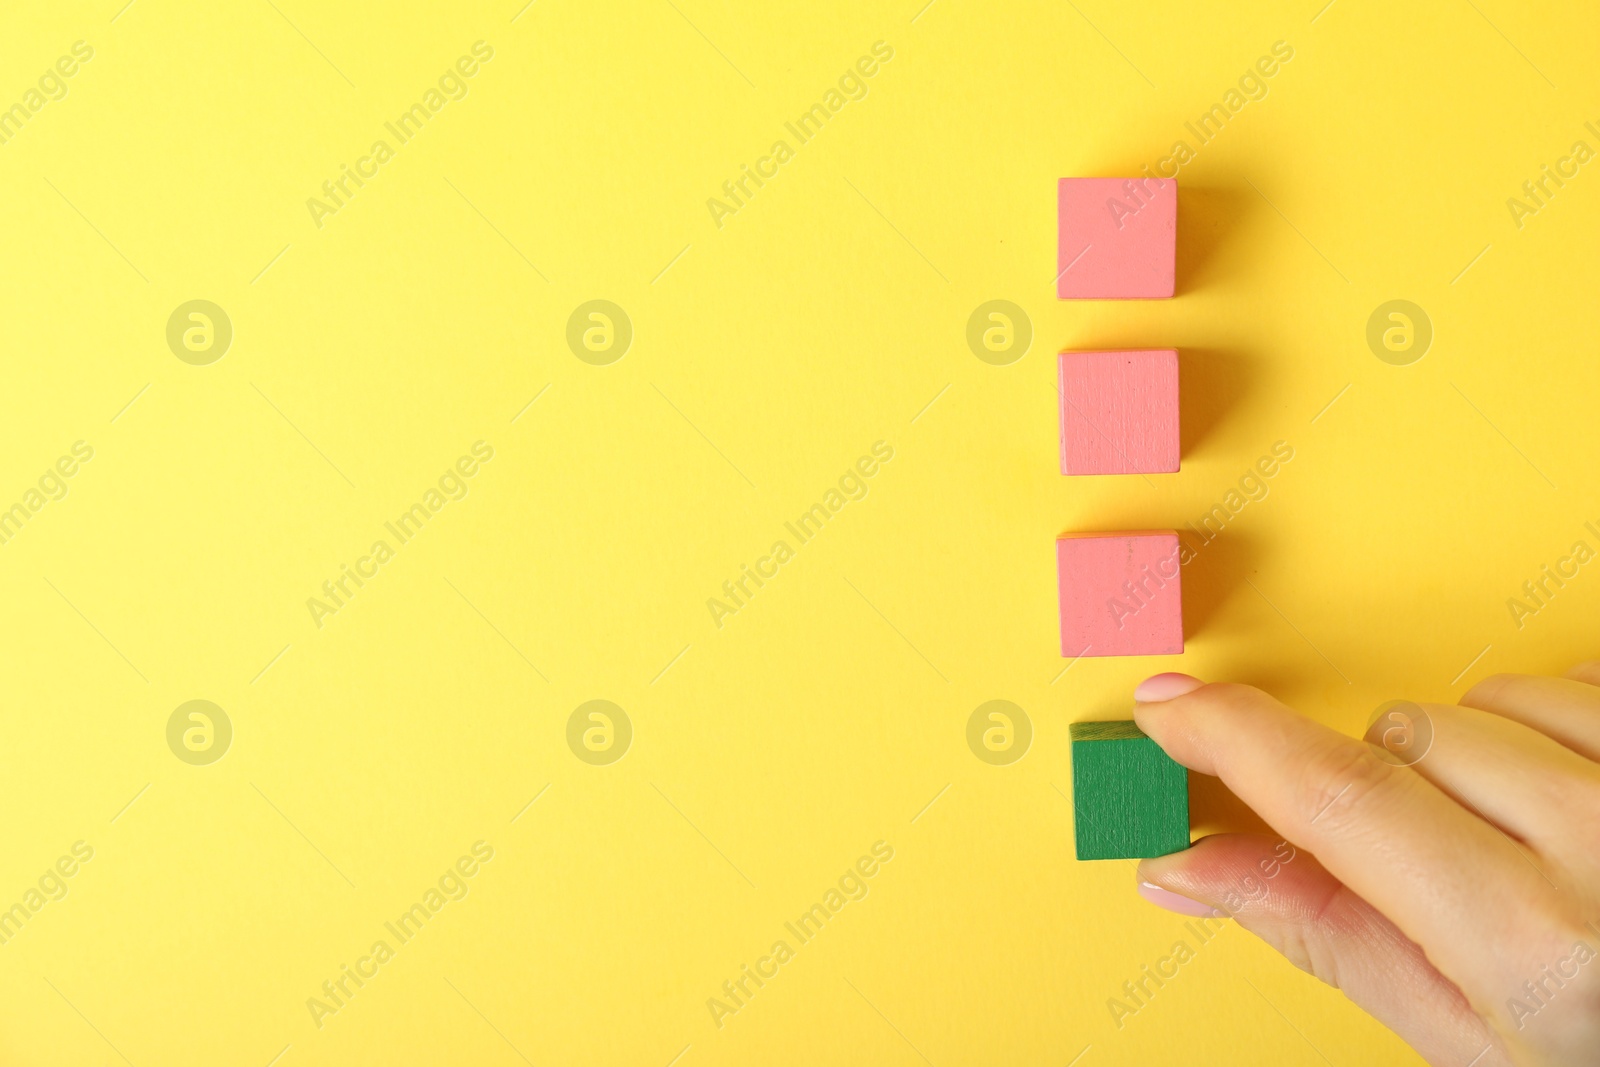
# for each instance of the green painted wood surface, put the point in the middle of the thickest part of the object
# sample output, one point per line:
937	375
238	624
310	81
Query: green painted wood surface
1130	800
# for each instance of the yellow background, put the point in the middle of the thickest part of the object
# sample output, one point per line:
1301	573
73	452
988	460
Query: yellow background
768	355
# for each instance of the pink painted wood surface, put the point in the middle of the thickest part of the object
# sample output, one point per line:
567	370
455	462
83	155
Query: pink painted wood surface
1117	238
1119	412
1121	593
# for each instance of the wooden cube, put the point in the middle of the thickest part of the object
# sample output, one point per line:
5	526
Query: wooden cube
1121	593
1117	238
1119	412
1130	800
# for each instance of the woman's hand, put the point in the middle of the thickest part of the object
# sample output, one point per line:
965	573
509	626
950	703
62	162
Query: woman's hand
1456	898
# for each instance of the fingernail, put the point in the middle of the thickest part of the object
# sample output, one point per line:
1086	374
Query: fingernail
1165	898
1165	687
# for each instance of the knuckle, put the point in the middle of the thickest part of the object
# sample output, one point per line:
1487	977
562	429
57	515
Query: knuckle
1230	694
1214	708
1342	784
1561	972
1483	694
1587	671
1227	700
1324	931
1295	944
1555	925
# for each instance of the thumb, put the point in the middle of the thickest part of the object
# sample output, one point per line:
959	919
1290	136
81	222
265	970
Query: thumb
1289	900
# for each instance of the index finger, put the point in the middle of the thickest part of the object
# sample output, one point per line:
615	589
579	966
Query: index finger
1386	832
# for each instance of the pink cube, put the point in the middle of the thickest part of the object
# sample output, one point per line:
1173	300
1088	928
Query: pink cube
1119	412
1121	593
1118	238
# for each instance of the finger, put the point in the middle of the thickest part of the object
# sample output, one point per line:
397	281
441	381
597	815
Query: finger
1290	901
1387	833
1520	780
1587	672
1563	708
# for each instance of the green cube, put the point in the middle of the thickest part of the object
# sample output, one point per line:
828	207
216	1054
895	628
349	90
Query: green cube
1130	800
